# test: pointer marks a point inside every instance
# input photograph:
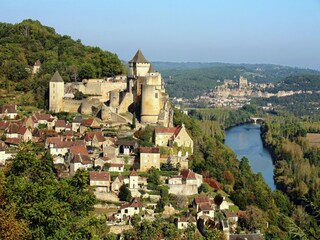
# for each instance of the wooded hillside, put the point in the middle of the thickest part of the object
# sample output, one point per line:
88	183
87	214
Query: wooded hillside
22	44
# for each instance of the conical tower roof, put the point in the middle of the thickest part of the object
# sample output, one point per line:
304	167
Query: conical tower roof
139	58
151	69
56	77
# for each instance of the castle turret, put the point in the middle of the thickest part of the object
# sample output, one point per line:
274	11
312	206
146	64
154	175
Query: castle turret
56	93
139	65
150	104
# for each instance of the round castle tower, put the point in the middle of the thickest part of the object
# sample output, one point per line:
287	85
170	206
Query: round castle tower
150	104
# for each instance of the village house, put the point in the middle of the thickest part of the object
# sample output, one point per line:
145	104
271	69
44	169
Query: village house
204	206
60	126
149	158
187	183
133	180
89	124
117	183
170	136
59	147
126	147
76	123
8	111
4	155
42	118
100	180
94	139
79	159
129	209
101	161
110	150
183	222
116	167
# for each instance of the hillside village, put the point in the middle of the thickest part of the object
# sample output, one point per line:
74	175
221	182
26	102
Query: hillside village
122	133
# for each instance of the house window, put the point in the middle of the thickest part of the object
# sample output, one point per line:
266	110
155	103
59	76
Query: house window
156	95
135	208
126	211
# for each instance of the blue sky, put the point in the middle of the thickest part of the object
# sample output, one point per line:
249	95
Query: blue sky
283	32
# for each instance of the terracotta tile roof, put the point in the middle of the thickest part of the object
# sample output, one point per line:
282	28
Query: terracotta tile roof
201	199
81	158
99	136
22	130
133	173
4	125
149	150
87	122
135	203
10	108
187	219
230	214
205	207
42	116
188	174
60	123
13	141
99	176
79	149
167	130
116	164
13	128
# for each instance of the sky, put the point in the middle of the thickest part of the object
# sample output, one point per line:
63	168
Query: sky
285	32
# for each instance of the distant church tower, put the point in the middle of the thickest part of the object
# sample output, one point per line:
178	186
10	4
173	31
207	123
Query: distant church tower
56	93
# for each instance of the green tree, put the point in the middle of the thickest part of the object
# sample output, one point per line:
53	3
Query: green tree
124	193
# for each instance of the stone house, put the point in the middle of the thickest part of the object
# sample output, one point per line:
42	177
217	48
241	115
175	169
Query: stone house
100	180
76	123
116	167
89	124
130	209
126	147
167	137
117	183
60	126
101	161
8	111
149	157
133	180
94	139
183	222
79	158
187	183
204	206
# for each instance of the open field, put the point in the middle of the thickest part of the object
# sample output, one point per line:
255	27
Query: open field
314	139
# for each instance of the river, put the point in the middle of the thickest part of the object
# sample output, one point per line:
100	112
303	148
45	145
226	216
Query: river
245	140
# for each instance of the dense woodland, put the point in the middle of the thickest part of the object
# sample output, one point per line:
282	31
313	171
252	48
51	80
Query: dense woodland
22	44
34	204
297	168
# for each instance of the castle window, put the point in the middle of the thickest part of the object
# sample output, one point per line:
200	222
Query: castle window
156	95
53	85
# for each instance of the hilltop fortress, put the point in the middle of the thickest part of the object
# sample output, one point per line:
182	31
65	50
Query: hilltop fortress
141	92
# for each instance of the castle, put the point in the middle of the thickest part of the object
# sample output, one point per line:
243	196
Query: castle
141	92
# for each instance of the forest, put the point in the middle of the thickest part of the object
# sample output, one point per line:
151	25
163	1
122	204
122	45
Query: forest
22	44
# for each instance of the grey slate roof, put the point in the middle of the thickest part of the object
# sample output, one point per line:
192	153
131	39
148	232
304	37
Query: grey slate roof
139	58
56	77
151	69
